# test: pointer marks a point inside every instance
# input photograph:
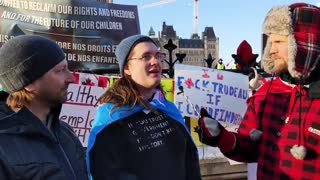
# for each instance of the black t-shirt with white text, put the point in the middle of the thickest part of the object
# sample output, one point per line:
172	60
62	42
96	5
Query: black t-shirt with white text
144	146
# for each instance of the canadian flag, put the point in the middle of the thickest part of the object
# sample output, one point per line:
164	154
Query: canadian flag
91	79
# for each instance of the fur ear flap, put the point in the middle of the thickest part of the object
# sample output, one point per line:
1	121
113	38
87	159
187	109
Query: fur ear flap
278	21
267	63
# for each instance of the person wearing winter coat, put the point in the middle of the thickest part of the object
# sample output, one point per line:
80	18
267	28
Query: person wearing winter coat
220	65
137	134
281	127
34	144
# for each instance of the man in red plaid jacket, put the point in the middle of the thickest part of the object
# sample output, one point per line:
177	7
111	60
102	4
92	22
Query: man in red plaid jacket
281	127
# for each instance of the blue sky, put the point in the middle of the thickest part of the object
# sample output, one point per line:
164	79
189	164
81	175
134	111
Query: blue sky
232	20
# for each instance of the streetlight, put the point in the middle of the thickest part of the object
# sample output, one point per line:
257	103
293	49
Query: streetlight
170	47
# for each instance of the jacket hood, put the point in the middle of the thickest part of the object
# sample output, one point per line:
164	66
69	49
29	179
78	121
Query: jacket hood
4	110
300	22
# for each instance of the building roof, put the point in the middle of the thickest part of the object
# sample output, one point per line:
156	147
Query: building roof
209	33
168	31
151	32
195	36
190	43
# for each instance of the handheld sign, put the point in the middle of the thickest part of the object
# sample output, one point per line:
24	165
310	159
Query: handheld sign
222	93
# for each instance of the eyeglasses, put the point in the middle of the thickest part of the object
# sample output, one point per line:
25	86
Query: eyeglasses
148	57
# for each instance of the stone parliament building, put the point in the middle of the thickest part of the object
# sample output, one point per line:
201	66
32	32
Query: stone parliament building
197	48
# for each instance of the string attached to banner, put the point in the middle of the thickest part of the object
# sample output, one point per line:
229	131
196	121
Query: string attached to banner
187	99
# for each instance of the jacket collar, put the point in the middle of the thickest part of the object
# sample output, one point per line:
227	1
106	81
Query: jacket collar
314	90
24	122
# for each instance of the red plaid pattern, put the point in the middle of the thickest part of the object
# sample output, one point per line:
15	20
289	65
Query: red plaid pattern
272	152
306	30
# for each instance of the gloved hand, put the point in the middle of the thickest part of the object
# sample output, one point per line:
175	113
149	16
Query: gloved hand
212	133
208	128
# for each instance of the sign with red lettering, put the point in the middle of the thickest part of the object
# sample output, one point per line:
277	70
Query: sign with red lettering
80	108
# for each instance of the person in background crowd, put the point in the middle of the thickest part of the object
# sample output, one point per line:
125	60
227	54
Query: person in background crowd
220	65
234	66
281	128
137	134
34	144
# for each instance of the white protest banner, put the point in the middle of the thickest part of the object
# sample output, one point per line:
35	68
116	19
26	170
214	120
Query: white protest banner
222	93
81	105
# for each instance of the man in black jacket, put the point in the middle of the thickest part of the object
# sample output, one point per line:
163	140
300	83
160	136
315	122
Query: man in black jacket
34	144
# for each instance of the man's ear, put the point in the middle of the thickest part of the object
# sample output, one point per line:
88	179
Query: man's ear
31	87
126	70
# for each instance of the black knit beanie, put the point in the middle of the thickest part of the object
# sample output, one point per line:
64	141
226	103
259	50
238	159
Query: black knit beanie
25	59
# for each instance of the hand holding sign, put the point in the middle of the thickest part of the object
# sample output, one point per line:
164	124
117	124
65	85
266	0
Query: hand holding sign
212	133
208	129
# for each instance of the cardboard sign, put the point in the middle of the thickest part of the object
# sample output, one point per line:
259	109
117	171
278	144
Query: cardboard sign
222	93
80	109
